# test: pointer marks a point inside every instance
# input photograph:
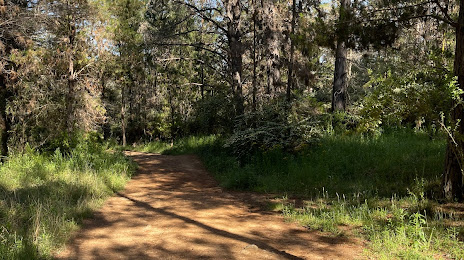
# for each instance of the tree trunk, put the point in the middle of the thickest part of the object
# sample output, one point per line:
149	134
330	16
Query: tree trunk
453	175
71	34
171	106
254	80
340	83
106	125
130	97
273	43
202	87
233	10
4	122
123	117
70	97
155	85
292	53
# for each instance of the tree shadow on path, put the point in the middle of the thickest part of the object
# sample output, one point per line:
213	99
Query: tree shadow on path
213	230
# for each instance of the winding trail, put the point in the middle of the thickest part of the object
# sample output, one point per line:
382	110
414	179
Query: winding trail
173	209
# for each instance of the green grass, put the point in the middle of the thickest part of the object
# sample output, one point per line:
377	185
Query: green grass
399	228
43	198
383	189
186	145
153	147
397	163
389	164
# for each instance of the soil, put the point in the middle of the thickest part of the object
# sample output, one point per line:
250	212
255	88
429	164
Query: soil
174	209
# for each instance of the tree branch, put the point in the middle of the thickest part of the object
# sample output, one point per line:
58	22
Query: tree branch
202	15
196	45
444	10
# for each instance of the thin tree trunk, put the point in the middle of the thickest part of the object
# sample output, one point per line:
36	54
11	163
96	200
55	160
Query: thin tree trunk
202	60
71	83
254	83
70	97
143	108
171	105
130	99
69	120
340	82
155	85
123	117
292	53
453	175
106	125
4	121
202	87
268	83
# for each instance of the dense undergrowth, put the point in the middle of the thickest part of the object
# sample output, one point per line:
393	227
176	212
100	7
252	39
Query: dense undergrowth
44	196
384	189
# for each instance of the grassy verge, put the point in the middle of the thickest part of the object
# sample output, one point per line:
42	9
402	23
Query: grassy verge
382	189
43	198
396	228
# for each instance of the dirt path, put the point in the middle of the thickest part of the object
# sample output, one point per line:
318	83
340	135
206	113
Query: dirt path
174	210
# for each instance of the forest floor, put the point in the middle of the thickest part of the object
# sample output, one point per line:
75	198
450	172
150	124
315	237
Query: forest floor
174	209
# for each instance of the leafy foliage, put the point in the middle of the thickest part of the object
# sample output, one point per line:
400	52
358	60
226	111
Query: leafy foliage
412	96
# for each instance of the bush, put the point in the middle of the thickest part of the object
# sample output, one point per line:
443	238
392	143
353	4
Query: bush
261	131
410	97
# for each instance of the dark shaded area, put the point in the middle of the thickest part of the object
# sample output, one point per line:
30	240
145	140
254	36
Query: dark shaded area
213	230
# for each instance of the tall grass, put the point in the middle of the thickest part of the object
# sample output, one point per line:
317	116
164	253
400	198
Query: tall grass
383	189
43	197
389	164
397	163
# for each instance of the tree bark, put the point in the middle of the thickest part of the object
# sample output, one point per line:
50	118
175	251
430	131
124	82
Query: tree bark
4	121
70	98
234	37
453	175
123	117
71	34
106	125
202	87
171	106
292	53
340	83
71	88
273	44
254	80
130	97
